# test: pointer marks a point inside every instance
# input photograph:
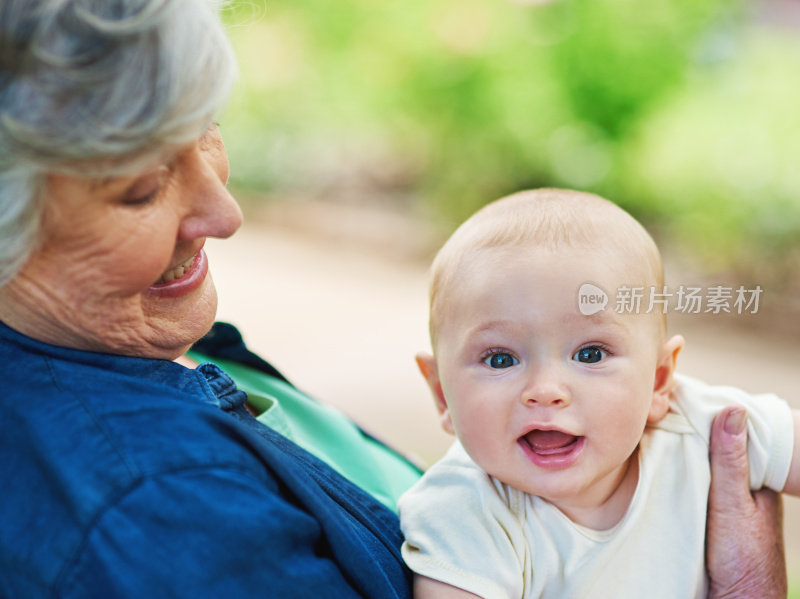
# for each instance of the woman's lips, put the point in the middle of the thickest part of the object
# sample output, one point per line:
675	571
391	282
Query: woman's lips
182	279
551	449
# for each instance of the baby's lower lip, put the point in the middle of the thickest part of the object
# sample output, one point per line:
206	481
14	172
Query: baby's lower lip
553	456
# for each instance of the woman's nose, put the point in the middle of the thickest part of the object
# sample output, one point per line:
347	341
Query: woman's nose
212	210
217	215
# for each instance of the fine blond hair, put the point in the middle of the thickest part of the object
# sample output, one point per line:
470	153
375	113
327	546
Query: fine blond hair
549	219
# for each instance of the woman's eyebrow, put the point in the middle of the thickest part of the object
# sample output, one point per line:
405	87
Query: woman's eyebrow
97	184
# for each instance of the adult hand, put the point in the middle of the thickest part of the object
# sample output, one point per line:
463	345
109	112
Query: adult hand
744	552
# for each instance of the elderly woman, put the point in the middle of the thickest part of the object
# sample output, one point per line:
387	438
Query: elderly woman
125	473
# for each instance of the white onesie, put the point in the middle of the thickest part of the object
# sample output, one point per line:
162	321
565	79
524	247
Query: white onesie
467	529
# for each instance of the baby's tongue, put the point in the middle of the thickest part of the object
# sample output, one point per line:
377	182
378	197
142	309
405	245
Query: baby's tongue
548	441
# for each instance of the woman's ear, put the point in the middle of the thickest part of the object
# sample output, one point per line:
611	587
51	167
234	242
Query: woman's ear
430	371
665	378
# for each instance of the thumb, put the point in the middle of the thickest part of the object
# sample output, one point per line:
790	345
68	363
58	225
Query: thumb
730	472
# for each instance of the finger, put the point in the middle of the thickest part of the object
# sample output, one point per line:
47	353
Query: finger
769	502
770	506
773	564
730	474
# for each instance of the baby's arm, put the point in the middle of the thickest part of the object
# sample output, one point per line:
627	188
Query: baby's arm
461	537
792	486
428	588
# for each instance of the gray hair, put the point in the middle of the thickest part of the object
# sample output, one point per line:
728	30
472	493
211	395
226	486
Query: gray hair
96	88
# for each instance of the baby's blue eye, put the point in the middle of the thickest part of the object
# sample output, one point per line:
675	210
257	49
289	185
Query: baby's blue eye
501	360
589	355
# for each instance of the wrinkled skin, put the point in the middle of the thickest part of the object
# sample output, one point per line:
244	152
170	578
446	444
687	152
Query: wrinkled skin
745	535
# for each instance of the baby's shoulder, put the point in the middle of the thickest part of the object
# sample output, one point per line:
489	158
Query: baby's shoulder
457	479
694	404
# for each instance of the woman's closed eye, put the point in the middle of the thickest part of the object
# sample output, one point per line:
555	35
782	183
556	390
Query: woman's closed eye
146	188
141	199
500	359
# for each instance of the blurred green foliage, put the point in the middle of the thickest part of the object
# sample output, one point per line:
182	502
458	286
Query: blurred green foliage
683	111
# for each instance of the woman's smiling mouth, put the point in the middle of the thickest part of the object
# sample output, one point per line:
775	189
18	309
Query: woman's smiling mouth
183	279
177	272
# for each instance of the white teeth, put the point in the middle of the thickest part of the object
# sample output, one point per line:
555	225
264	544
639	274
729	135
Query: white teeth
176	273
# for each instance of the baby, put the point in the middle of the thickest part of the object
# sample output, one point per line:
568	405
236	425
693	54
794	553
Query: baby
581	466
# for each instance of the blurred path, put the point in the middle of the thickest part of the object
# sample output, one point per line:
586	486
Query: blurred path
344	324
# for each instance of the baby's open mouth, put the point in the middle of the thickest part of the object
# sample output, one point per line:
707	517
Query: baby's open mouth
549	442
177	272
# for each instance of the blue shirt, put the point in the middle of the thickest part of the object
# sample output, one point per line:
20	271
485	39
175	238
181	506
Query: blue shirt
126	477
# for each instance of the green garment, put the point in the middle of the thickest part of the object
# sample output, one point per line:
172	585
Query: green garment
324	432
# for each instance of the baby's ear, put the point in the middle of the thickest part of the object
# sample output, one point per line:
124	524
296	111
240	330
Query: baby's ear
665	378
430	371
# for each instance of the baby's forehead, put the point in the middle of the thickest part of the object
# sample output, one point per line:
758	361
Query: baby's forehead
605	262
474	313
584	286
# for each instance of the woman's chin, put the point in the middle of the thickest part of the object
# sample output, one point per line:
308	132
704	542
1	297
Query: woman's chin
175	324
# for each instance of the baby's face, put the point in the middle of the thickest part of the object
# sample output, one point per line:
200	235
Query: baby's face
544	398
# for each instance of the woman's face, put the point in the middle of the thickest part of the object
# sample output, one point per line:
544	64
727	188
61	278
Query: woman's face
120	267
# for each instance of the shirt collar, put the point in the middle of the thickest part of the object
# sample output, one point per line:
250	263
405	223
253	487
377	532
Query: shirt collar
207	382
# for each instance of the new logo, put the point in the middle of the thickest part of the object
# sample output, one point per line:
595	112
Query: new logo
591	299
